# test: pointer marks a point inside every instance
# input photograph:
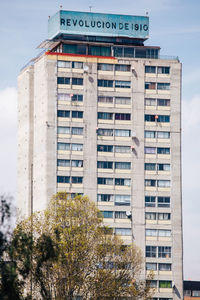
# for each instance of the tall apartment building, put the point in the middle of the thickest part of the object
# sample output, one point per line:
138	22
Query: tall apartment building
100	115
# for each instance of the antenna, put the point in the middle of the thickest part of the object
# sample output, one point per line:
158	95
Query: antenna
90	7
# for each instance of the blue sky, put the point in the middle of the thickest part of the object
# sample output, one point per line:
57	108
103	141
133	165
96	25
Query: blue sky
174	26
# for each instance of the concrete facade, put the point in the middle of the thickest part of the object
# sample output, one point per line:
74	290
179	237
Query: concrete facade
49	152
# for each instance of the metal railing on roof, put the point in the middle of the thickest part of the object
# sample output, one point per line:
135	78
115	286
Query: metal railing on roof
31	62
168	57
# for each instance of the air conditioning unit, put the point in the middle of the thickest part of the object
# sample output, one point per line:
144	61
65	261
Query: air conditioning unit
128	213
85	69
133	134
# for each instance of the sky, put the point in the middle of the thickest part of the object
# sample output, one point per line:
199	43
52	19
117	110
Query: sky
174	26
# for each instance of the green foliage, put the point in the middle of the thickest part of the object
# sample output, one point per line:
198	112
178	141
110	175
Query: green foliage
10	285
67	251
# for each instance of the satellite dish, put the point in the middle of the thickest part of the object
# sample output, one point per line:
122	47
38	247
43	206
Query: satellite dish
128	213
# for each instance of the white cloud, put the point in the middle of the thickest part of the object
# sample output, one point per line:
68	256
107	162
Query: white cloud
8	137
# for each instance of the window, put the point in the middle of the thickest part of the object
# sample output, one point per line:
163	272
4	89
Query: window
118	51
165	284
123	165
77	114
73	195
76	179
128	52
164	183
163	150
163	86
150	102
107	214
165	267
150	216
105	197
151	266
187	293
63	130
63	80
150	150
124	51
63	113
122	132
105	132
149	167
164	216
77	131
150	69
196	293
106	181
123	68
122	100
123	231
63	163
105	67
163	70
163	102
77	65
104	148
151	232
152	283
164	252
105	99
163	201
123	181
152	53
149	134
140	52
77	147
164	233
77	98
120	215
150	182
105	83
150	251
149	118
63	146
119	116
63	64
99	51
105	116
63	179
122	199
63	96
122	84
164	119
105	164
150	201
77	81
150	85
77	163
163	135
163	167
71	48
122	149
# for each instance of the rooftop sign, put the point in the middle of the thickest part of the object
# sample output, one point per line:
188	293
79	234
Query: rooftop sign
97	24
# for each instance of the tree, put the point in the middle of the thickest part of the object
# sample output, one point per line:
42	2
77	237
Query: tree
66	251
9	284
